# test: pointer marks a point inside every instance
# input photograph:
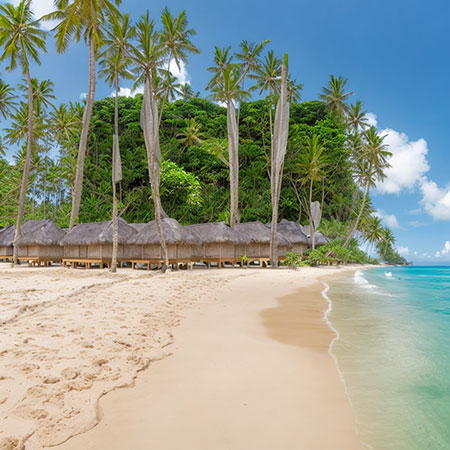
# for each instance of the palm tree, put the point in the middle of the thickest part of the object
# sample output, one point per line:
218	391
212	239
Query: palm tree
335	97
175	38
373	230
356	118
387	240
278	145
21	40
7	99
191	134
115	64
226	86
311	165
186	92
370	167
82	18
148	57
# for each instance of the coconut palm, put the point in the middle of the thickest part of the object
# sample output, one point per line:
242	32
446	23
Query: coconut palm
311	165
373	230
7	99
186	92
115	65
387	240
191	134
278	145
148	56
370	168
226	86
21	41
82	19
335	97
356	118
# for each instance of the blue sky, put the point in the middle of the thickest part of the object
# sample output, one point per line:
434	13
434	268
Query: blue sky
394	55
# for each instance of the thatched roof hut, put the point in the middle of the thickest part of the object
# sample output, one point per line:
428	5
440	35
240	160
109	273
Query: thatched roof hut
94	241
6	241
41	240
319	238
260	236
181	241
219	240
294	234
138	226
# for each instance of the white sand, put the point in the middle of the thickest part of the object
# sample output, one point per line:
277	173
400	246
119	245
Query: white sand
240	376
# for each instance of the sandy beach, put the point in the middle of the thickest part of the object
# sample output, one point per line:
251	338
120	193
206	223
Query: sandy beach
248	369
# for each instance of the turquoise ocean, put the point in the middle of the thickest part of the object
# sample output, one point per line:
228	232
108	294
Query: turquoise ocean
393	352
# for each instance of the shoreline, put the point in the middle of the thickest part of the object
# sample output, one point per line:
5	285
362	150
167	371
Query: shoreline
328	411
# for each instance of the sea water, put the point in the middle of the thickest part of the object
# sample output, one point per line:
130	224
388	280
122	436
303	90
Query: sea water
393	352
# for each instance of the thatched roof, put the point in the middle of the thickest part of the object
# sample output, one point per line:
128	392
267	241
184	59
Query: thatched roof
138	226
7	236
257	232
218	233
97	233
292	232
40	232
319	238
174	233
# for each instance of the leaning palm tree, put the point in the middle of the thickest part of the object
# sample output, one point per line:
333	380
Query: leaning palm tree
21	40
77	19
370	168
335	97
311	165
7	99
115	64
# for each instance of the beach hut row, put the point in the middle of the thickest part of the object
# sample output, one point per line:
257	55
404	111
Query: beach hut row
90	244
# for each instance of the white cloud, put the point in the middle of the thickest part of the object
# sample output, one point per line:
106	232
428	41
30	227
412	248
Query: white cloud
425	255
40	8
404	251
181	73
371	119
127	92
444	251
408	162
390	219
83	96
435	200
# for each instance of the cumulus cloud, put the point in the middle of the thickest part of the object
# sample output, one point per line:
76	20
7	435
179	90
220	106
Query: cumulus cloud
181	73
403	251
408	162
127	92
445	250
389	219
371	119
435	200
40	8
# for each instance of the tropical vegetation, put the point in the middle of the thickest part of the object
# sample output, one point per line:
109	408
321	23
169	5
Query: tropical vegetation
250	150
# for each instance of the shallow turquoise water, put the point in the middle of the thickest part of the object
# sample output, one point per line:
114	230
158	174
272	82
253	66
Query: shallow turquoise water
394	353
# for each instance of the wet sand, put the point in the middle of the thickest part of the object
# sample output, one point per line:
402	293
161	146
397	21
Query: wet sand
248	370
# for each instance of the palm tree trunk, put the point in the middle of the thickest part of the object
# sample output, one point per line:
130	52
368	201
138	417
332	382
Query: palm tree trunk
312	226
26	168
150	124
114	157
78	186
355	225
233	156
